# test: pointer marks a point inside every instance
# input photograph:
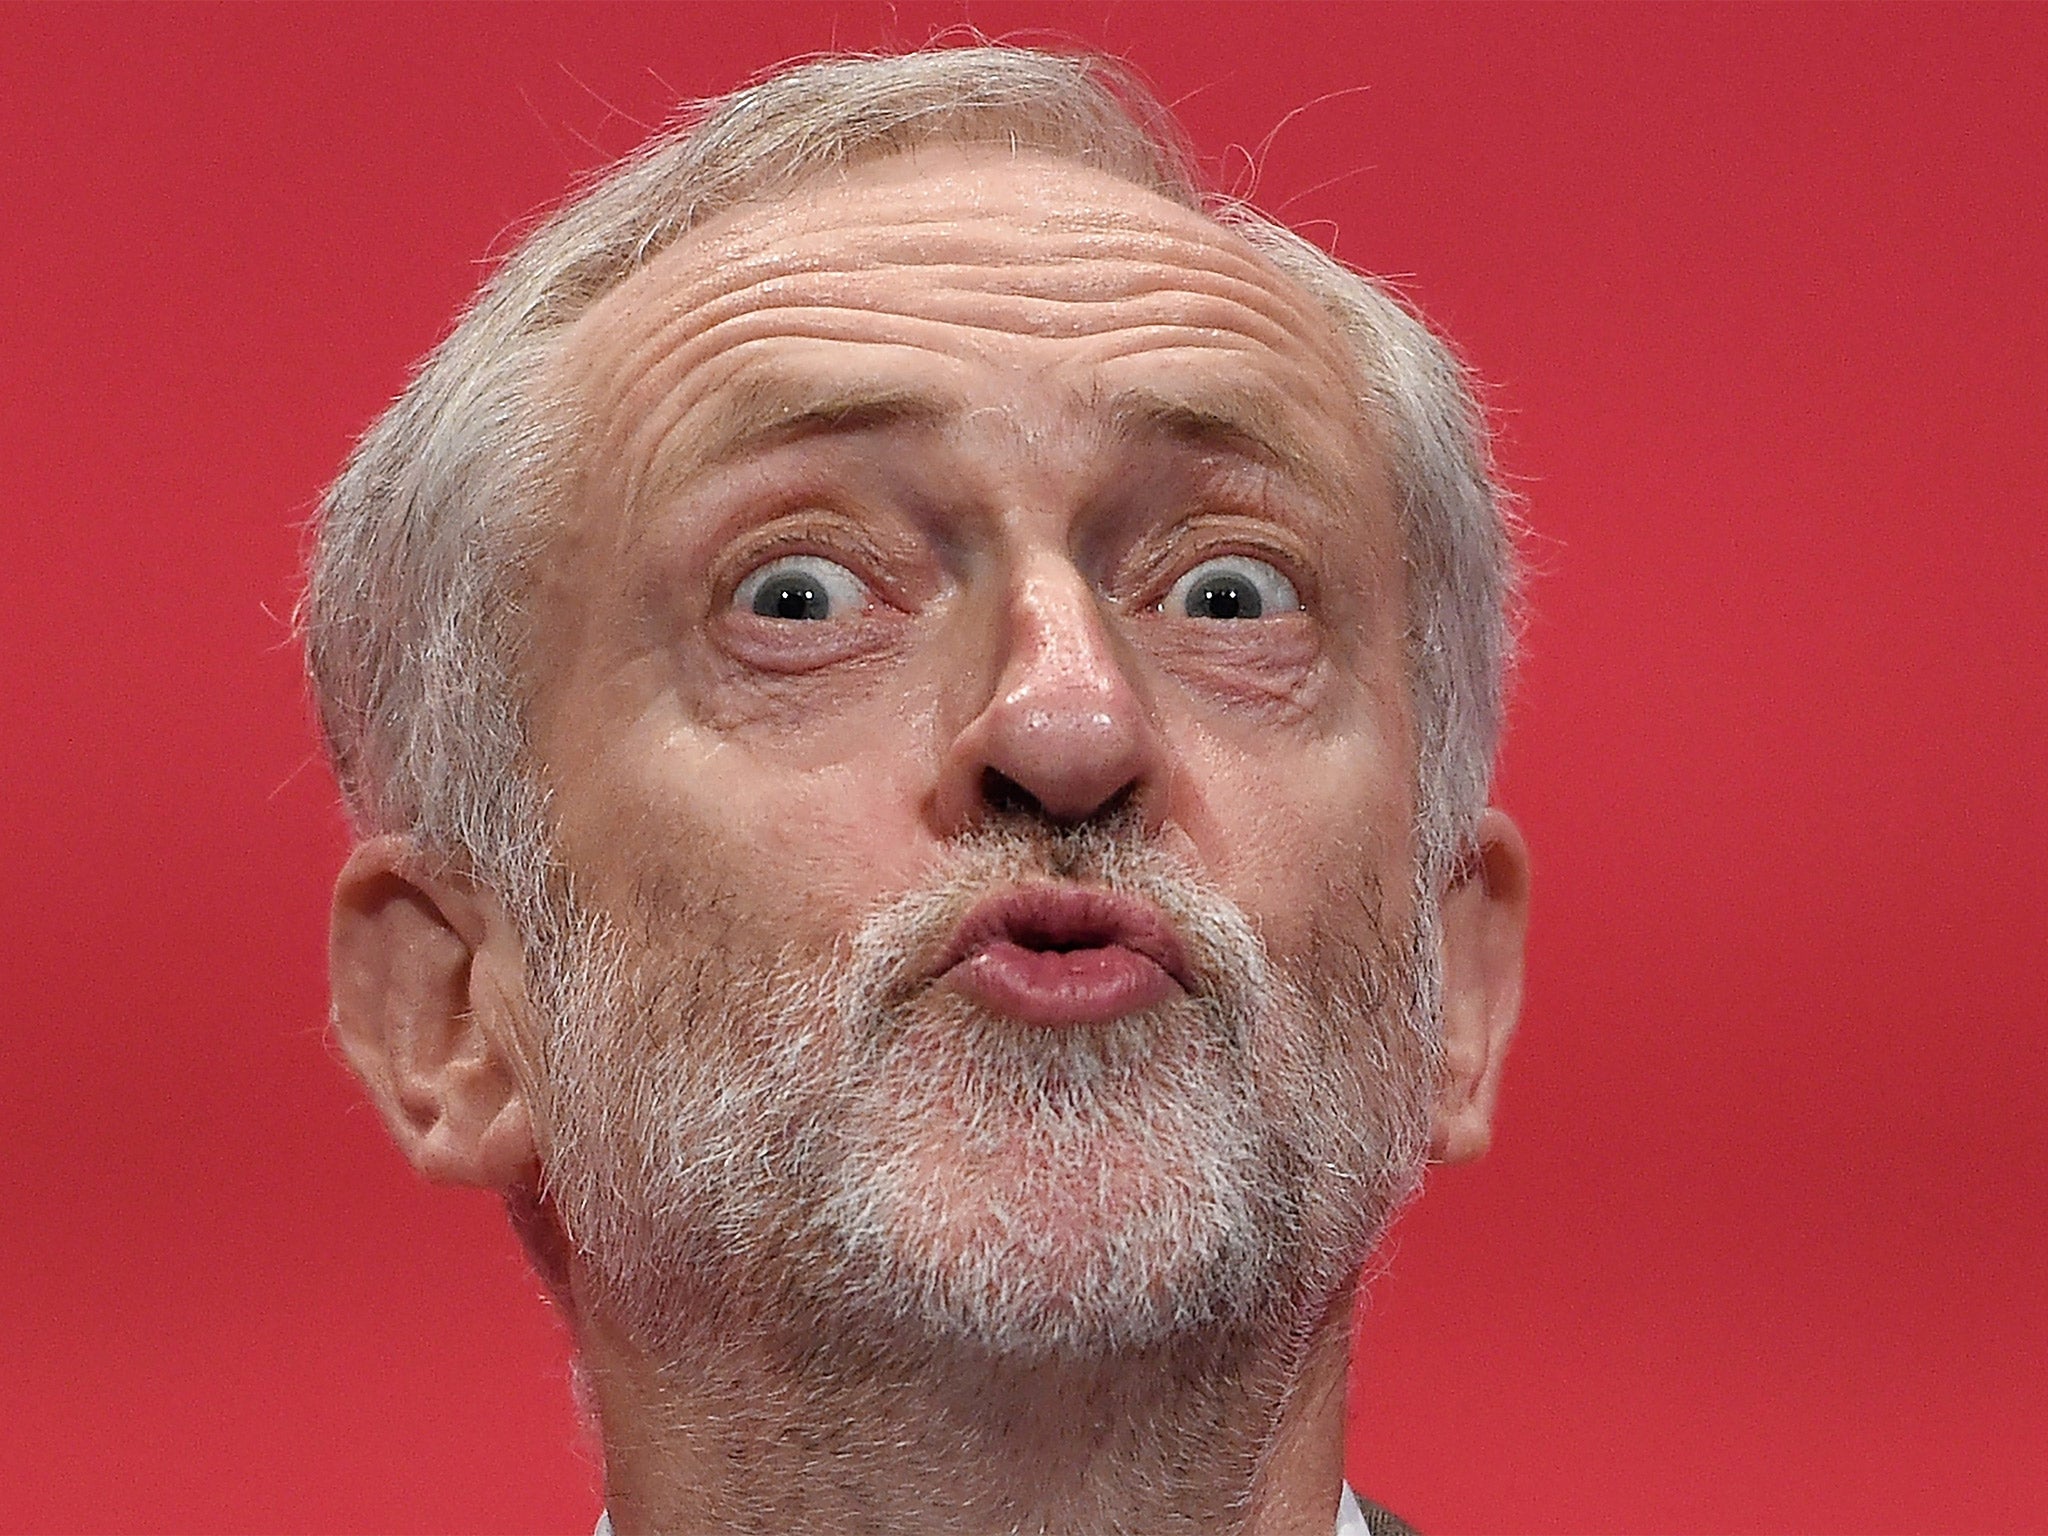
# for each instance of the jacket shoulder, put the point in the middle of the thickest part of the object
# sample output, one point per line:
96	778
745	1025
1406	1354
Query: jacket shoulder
1382	1521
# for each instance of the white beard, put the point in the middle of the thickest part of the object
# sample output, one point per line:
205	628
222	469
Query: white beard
831	1149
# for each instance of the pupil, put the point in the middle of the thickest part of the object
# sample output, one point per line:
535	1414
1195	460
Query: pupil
794	598
1224	596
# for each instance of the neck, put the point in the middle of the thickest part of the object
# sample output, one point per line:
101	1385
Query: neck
758	1433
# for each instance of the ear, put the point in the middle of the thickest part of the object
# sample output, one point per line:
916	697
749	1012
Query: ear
1485	920
425	970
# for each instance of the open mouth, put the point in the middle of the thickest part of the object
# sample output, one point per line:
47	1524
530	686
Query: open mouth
1053	956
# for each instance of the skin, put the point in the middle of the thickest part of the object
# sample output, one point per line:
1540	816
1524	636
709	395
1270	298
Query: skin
1016	399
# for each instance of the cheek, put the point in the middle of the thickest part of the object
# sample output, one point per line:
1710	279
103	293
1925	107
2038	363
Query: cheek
1265	676
1317	848
765	848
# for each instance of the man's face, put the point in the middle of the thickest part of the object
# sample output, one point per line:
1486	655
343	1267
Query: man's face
969	681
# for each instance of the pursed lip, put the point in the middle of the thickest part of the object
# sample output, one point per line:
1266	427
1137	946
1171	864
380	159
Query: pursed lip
1065	954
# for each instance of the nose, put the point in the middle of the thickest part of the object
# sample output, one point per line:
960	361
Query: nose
1064	734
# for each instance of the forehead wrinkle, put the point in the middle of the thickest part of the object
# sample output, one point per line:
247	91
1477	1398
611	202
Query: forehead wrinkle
652	369
770	404
1164	318
1210	412
1028	299
735	266
1159	277
659	367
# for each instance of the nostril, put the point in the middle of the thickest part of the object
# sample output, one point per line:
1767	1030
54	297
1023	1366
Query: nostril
1005	796
1002	795
1116	804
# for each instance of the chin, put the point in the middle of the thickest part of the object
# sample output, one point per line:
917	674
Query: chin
1039	1193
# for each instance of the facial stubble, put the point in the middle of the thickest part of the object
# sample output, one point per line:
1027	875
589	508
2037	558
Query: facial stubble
840	1154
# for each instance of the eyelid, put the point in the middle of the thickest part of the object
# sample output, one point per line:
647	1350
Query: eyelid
859	594
1194	544
836	539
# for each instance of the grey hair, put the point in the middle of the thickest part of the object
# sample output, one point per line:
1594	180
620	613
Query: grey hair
413	635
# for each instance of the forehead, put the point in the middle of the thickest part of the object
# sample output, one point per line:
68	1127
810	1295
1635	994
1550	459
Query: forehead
971	278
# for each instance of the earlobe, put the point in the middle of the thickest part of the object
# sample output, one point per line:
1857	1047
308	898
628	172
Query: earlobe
1485	923
419	1011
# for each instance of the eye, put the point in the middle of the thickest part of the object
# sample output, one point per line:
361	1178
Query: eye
1233	587
801	587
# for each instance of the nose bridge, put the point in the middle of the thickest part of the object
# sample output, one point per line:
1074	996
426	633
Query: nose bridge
1057	651
1065	722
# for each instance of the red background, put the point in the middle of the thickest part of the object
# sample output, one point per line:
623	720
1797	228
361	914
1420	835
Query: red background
1761	295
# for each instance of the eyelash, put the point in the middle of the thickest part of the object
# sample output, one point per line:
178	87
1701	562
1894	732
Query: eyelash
829	540
1182	555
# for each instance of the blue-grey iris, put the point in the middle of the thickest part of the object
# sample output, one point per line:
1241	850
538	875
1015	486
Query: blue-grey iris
795	596
1224	594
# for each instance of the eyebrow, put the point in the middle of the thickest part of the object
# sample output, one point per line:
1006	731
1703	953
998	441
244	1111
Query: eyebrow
768	410
1243	423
